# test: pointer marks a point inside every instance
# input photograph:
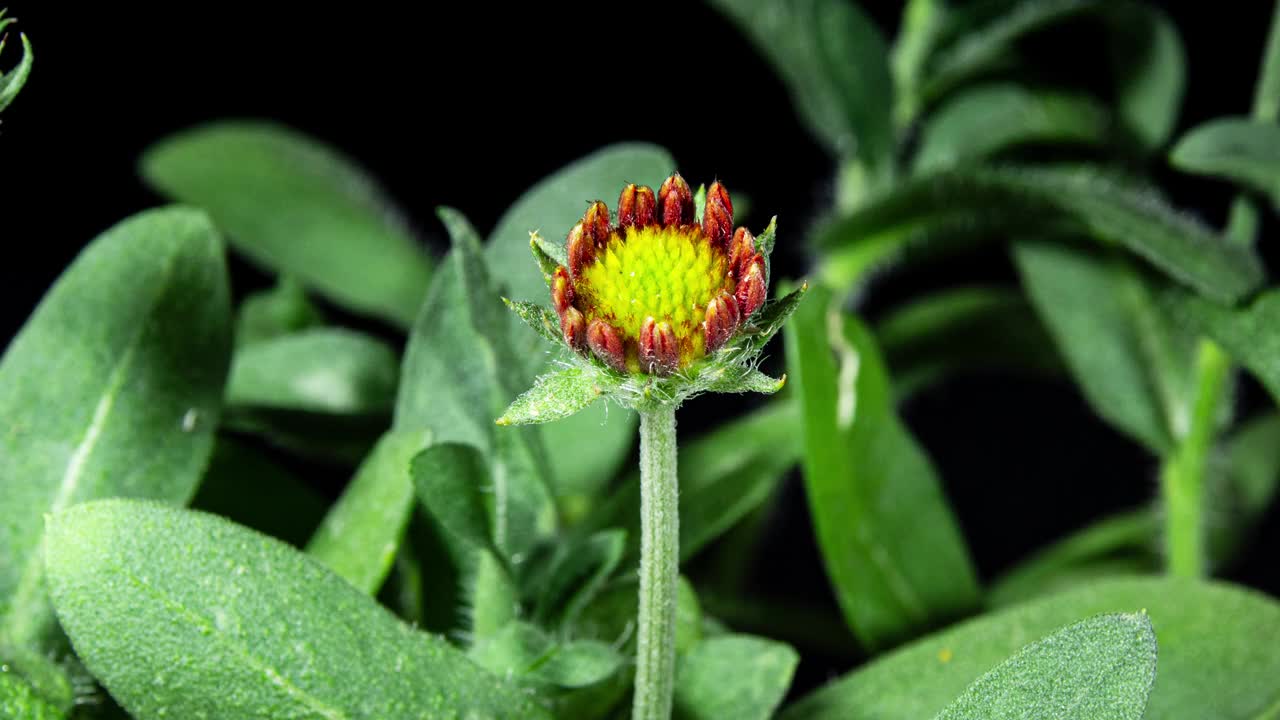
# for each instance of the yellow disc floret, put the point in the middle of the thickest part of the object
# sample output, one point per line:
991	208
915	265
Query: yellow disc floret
667	273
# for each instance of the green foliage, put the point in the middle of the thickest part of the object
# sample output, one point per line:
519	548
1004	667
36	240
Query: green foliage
292	204
321	370
1237	149
112	388
733	676
1096	669
12	81
1249	334
1216	658
282	310
238	611
891	547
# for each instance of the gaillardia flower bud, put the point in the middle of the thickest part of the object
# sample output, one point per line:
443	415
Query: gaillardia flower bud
662	305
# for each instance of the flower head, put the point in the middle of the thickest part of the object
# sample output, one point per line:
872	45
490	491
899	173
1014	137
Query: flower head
658	302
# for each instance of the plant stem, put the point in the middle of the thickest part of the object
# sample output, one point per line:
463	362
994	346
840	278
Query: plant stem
1182	478
659	566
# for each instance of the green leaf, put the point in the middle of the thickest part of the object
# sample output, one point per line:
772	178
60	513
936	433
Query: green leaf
586	449
1150	69
989	119
1097	669
1217	654
1019	201
20	701
112	388
322	370
963	329
576	574
539	318
733	676
282	310
611	617
1125	544
724	475
524	652
12	82
452	482
1250	334
1131	362
247	487
183	614
294	205
359	536
894	555
1237	149
553	396
460	372
835	64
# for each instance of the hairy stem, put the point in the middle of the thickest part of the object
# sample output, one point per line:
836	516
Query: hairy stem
659	566
1182	477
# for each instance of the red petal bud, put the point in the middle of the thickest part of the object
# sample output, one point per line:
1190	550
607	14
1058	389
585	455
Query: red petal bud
581	250
742	249
751	290
561	290
595	223
606	342
717	217
675	201
659	354
574	327
722	320
636	206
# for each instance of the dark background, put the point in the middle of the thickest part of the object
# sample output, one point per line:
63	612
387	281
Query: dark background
469	104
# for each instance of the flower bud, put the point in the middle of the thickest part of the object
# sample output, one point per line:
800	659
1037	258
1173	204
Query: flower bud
595	223
581	250
658	352
574	327
742	249
750	292
675	201
722	320
561	290
606	342
636	206
717	217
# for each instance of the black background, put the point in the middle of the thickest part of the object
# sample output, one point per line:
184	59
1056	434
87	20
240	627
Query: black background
467	104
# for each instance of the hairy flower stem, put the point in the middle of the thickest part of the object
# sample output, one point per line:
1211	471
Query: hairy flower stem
1182	477
659	566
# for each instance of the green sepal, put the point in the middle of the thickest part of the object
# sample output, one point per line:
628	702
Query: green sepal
537	317
748	380
553	396
548	254
771	317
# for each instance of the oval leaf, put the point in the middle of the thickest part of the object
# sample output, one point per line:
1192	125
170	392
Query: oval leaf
322	370
112	388
295	205
183	614
1238	149
733	676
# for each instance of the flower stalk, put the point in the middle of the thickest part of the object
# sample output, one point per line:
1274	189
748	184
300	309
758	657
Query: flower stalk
659	566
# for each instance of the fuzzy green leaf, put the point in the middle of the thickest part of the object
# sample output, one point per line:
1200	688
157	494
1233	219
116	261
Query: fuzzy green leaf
770	318
962	329
1097	669
555	395
1217	654
359	536
452	481
1237	149
539	318
294	205
724	475
549	256
12	81
282	310
524	652
733	676
183	614
112	388
989	119
586	449
1250	334
893	553
20	701
576	575
748	380
1021	201
835	64
1131	362
321	370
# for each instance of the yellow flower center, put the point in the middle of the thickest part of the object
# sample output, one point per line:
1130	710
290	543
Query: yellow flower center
667	273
